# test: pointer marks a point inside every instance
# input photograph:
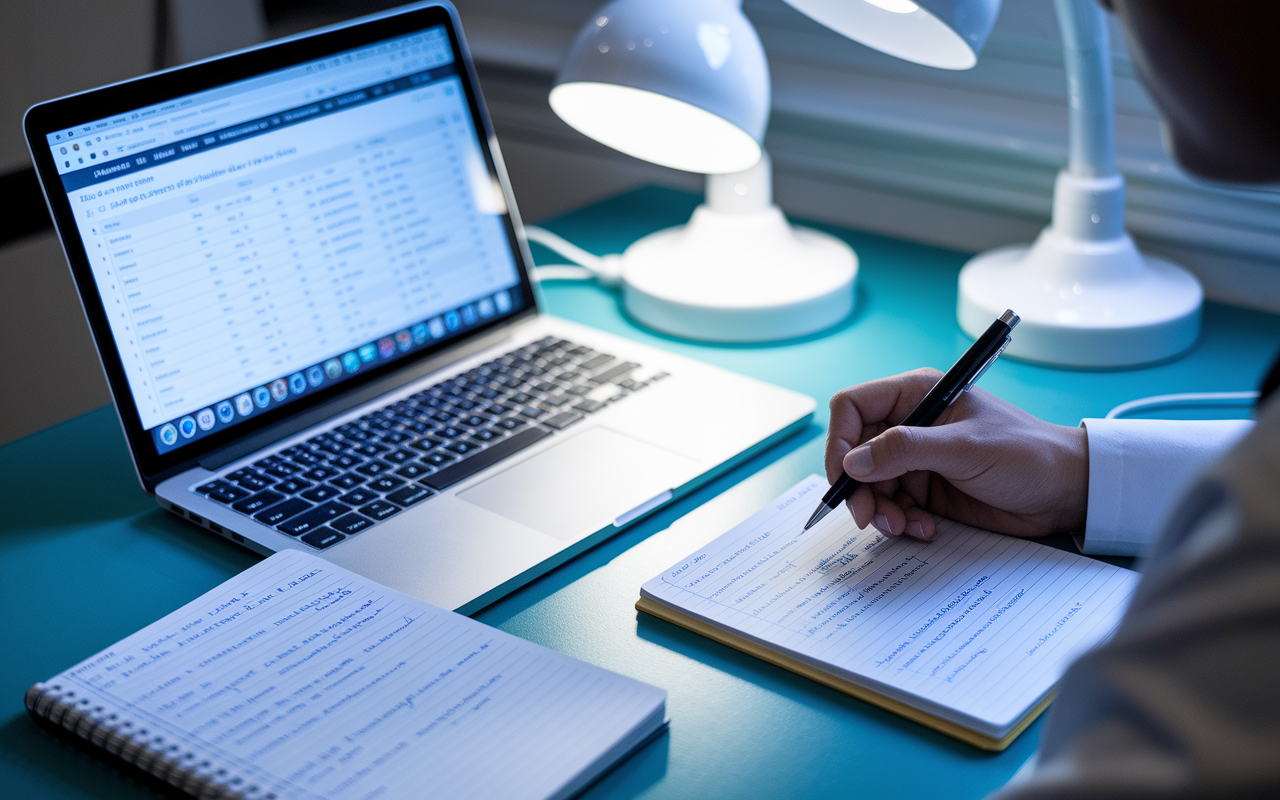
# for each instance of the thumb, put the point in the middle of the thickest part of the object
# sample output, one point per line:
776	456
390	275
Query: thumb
944	450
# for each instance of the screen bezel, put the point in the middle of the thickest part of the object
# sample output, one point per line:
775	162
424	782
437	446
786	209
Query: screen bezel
75	110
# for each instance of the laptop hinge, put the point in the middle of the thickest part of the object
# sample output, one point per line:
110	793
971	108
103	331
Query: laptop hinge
264	438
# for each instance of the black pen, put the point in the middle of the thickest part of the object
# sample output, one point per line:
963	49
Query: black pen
958	380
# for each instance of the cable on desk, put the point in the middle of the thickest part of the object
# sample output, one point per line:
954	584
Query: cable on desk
1184	399
586	266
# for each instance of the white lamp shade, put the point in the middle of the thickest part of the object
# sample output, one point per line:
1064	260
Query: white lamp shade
947	34
680	83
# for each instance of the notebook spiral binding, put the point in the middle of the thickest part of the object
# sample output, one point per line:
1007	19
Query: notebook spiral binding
120	737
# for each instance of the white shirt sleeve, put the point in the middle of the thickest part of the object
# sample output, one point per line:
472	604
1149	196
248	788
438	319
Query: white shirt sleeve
1137	468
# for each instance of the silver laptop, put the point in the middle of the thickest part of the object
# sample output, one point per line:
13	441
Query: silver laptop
309	287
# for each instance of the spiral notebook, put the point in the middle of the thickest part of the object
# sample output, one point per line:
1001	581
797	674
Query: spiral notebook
300	679
968	634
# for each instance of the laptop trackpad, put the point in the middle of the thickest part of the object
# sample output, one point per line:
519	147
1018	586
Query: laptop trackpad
582	484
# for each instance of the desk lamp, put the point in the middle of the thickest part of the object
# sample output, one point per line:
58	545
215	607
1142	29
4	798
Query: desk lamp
685	84
1086	296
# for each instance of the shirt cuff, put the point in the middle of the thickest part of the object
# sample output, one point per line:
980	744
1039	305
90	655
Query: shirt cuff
1138	468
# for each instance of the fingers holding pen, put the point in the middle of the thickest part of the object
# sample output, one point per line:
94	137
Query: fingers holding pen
892	513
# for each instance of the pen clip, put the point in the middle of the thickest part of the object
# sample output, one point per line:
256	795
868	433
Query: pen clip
986	366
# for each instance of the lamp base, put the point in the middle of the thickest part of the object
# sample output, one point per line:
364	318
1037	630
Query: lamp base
1083	303
738	277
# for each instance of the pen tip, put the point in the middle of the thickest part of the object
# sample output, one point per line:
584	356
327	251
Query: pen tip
816	516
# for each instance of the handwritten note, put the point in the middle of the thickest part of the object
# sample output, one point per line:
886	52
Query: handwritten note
974	627
303	679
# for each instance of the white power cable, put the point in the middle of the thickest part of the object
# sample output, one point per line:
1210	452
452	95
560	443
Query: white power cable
1184	399
606	269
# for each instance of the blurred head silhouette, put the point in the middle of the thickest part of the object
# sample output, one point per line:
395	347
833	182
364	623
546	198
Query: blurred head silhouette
1213	70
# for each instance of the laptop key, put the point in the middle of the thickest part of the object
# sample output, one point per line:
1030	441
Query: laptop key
345	461
282	511
321	493
488	434
292	485
351	523
598	360
398	456
305	459
212	486
589	406
562	420
412	471
310	520
253	483
320	473
325	537
410	495
532	412
510	423
384	484
347	481
255	503
358	497
373	468
463	448
455	473
281	471
229	494
614	372
379	510
438	459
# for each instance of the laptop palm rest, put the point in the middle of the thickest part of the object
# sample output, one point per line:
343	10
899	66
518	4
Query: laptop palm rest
582	484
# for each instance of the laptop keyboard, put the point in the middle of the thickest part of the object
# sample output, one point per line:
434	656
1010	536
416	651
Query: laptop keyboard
348	479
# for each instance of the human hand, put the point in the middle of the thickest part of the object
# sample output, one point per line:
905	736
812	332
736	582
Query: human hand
985	462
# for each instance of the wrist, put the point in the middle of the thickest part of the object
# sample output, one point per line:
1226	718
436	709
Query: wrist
1073	467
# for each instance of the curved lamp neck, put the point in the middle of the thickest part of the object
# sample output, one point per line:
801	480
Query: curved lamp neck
1086	45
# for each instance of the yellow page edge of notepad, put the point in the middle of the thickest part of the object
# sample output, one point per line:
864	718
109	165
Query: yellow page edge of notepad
664	612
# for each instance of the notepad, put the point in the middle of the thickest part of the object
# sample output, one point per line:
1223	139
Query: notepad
967	634
300	679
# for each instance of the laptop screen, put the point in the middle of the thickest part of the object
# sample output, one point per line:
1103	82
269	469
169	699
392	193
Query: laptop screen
267	239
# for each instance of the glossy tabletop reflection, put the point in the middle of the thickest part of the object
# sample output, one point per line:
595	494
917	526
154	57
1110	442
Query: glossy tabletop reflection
86	558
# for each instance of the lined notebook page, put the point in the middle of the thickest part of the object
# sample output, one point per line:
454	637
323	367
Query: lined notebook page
974	627
307	680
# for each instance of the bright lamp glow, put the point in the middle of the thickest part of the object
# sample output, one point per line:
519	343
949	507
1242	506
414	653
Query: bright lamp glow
898	27
655	128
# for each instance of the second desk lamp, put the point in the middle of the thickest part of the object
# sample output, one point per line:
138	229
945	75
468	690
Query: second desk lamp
685	84
1086	295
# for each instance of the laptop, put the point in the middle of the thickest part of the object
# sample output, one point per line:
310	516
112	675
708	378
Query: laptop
309	287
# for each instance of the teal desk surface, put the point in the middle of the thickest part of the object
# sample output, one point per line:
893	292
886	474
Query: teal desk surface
87	558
